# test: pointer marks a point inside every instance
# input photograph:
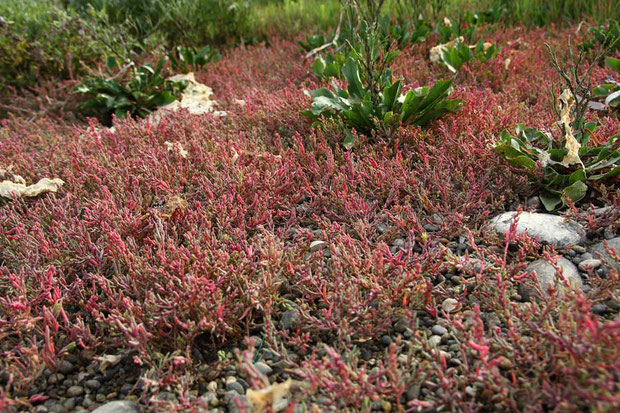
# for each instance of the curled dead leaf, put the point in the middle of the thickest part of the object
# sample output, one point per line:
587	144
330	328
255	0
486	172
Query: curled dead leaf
271	396
172	145
174	203
567	102
18	187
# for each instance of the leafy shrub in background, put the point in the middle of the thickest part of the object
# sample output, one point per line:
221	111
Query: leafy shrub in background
188	22
454	56
40	41
357	108
187	59
601	36
610	91
145	90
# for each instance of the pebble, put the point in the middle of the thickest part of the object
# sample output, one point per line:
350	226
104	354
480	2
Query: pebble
263	368
118	406
546	277
235	386
75	391
450	304
439	330
317	245
289	319
66	367
434	340
386	340
548	228
599	308
591	264
614	245
92	384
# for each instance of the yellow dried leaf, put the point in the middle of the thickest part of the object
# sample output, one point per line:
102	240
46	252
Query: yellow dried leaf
8	189
174	203
567	101
270	396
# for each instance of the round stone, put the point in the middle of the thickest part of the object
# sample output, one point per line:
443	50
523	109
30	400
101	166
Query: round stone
439	330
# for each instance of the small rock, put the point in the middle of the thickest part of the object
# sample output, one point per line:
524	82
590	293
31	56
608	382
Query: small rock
317	245
289	319
547	277
263	368
118	406
439	330
434	340
66	367
599	308
591	264
548	228
75	391
614	246
386	340
235	386
92	384
450	304
235	399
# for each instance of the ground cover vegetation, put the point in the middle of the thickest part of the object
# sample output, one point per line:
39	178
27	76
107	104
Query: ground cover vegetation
398	205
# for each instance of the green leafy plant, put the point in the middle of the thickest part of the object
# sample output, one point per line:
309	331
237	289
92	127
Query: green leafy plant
355	105
610	91
372	100
455	55
145	89
566	166
601	36
187	59
541	157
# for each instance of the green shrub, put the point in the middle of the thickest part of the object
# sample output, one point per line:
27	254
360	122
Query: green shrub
357	108
454	56
610	91
601	36
538	152
187	59
145	89
40	41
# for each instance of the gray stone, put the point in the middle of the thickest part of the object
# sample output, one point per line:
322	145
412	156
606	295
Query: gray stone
317	245
75	391
598	308
289	319
263	368
591	264
614	245
547	228
118	406
547	277
233	398
66	367
92	384
235	386
439	330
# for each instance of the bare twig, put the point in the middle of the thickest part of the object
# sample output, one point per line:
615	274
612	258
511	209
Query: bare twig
334	41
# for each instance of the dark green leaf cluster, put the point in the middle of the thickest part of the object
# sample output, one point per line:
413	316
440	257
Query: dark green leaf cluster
610	91
456	55
355	105
537	152
146	89
603	37
187	59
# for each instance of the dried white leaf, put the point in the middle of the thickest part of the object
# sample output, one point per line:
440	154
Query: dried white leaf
8	189
567	101
172	145
108	360
271	396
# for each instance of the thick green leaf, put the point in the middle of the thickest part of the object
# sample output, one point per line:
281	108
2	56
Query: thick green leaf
576	192
550	201
351	74
613	63
390	94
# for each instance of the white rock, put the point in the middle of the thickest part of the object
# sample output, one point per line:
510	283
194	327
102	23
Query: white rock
547	277
548	228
